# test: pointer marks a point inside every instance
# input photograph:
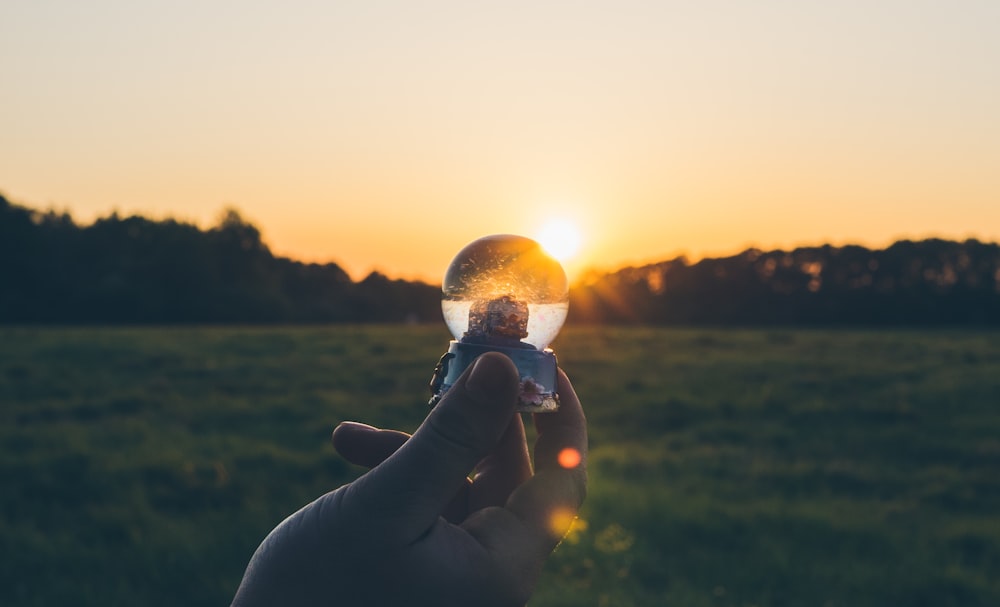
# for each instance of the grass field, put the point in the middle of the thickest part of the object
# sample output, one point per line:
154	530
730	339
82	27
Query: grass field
141	466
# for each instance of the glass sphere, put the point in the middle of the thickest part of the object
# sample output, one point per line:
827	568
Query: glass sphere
505	290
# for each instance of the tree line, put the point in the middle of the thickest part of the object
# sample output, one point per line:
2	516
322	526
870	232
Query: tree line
911	283
137	270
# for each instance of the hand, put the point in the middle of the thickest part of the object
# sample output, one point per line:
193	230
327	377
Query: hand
415	530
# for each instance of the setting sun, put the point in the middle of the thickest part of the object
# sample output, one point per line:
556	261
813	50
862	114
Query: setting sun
561	238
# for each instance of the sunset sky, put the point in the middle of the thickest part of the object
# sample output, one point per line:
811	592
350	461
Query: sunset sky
387	134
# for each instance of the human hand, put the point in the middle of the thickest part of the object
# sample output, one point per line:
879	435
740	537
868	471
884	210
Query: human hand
415	529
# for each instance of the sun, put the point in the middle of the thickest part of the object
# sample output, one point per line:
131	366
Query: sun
561	238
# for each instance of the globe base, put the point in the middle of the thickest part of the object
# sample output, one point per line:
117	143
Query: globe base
537	369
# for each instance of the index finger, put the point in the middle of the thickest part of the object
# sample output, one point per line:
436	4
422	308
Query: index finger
548	502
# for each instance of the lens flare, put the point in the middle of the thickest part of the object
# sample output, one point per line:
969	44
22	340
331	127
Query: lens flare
561	522
569	458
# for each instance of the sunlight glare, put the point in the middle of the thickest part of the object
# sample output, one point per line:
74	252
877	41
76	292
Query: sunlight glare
561	521
561	238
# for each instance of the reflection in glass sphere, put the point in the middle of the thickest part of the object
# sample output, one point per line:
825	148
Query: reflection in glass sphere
505	290
504	293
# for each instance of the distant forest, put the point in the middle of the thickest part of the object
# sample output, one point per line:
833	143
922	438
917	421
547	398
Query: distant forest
137	270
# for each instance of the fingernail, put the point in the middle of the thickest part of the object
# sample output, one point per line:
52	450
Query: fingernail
348	427
356	425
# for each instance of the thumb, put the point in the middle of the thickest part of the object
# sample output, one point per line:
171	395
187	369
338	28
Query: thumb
404	495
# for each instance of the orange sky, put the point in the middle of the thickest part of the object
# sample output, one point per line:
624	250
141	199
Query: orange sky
388	134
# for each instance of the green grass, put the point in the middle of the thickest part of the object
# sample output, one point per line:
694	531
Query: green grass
767	468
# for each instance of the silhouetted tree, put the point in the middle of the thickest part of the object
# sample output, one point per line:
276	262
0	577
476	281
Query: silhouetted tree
136	270
931	282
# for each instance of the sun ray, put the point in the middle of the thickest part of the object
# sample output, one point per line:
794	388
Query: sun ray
561	238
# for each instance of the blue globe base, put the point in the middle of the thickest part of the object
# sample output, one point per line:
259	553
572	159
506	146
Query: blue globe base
537	369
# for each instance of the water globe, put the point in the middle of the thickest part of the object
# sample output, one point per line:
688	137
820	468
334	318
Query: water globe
504	293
